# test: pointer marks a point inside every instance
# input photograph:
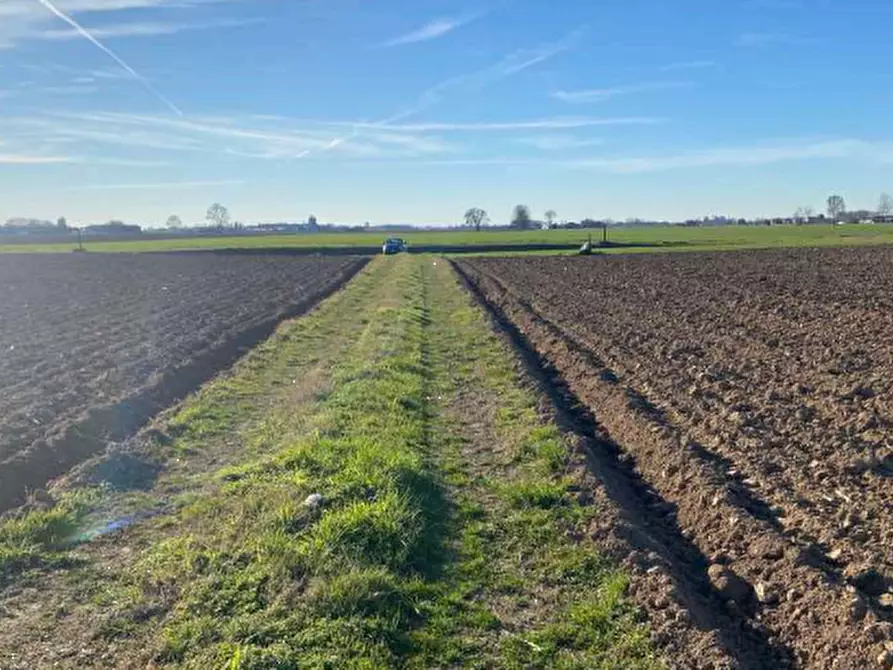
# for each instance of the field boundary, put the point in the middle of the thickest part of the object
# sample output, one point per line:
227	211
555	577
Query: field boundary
653	526
373	251
99	427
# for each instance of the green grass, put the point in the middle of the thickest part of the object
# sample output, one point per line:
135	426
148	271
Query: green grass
521	593
39	539
263	578
434	545
660	238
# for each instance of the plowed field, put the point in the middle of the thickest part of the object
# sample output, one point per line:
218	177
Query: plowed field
92	346
752	393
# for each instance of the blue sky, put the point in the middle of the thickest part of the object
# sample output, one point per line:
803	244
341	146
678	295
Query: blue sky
415	110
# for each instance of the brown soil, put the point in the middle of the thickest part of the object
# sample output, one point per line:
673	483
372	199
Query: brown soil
59	618
92	346
748	393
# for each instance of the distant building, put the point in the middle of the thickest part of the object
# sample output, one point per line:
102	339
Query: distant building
113	229
280	228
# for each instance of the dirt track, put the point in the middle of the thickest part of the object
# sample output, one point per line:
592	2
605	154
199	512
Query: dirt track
751	391
91	346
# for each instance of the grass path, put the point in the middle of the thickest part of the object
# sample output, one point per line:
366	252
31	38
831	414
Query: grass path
374	487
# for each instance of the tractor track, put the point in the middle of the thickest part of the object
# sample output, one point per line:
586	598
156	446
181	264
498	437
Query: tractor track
647	527
680	504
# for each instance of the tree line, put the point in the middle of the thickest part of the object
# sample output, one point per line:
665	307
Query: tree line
837	208
521	218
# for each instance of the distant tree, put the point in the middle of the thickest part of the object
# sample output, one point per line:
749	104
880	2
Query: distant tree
62	224
174	222
218	216
836	206
885	205
312	224
804	214
550	217
476	217
521	217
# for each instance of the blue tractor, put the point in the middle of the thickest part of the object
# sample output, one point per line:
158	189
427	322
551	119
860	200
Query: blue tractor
393	245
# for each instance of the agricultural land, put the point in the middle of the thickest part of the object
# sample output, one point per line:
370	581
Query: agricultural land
260	459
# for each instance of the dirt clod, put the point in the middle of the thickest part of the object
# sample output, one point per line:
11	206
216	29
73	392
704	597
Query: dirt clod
767	594
729	585
868	580
766	547
858	608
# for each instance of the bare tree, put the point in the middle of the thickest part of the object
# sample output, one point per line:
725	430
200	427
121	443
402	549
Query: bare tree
476	217
803	214
218	215
836	206
521	217
885	205
550	217
174	222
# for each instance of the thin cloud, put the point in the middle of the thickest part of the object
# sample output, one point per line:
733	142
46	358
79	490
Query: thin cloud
50	69
122	162
747	156
131	138
24	159
602	94
430	31
762	40
248	138
512	64
26	8
73	89
559	142
503	162
111	54
773	4
536	124
155	186
145	29
845	149
689	65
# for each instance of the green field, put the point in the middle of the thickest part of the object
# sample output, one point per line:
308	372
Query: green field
449	531
658	238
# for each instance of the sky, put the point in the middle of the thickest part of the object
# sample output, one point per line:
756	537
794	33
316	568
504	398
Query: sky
413	111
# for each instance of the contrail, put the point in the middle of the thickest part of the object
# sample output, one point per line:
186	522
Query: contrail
111	54
512	64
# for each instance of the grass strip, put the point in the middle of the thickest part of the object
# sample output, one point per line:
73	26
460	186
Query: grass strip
526	587
257	577
414	511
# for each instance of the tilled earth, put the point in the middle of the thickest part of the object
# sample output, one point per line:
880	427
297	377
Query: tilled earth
92	345
751	394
